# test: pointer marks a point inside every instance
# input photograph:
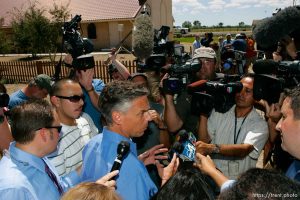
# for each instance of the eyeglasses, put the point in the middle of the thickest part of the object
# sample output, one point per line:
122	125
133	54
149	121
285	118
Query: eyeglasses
73	99
57	127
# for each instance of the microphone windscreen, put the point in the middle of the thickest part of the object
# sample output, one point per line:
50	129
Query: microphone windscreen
178	147
142	37
265	66
269	31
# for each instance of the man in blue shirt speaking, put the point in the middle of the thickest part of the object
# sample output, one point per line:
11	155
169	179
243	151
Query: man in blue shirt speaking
125	107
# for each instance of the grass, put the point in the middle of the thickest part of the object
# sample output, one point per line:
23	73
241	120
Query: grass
191	39
185	39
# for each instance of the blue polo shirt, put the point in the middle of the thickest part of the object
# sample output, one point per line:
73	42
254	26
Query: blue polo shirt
133	181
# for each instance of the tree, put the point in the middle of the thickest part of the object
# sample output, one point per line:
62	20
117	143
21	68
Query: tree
197	24
241	24
59	14
187	24
5	44
220	24
35	33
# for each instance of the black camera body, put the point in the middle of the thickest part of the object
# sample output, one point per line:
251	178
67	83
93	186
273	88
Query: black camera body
215	94
4	100
180	76
161	50
78	47
271	78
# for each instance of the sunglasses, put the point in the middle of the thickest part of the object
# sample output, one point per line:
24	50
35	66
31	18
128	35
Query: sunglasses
57	127
74	98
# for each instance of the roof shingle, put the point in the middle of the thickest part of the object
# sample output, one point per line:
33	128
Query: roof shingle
90	10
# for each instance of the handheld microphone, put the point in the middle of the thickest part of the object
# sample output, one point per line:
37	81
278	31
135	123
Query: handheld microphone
188	149
143	37
122	151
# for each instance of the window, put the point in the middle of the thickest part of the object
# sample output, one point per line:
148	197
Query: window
92	31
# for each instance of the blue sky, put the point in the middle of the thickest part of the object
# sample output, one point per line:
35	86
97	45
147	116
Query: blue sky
229	12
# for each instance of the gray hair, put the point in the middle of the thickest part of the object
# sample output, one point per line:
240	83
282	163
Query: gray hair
118	96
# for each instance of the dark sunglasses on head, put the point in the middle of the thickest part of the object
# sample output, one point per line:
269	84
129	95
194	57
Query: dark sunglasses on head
74	98
57	127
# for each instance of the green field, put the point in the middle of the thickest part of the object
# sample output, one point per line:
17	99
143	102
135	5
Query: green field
217	31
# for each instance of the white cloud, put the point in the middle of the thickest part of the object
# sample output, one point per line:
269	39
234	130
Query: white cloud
190	10
224	4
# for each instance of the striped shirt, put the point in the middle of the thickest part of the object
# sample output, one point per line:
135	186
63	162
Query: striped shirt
253	131
68	155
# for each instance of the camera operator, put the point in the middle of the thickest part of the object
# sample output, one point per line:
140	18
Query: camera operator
82	65
286	49
178	107
5	135
91	89
235	138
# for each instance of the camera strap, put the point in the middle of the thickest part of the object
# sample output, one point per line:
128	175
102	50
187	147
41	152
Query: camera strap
236	134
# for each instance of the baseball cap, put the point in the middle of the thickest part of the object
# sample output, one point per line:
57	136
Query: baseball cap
43	81
132	76
228	34
204	52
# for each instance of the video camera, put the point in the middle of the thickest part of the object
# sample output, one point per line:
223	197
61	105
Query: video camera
161	50
180	76
4	99
78	47
215	94
271	78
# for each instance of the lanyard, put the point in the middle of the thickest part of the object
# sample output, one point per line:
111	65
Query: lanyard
236	135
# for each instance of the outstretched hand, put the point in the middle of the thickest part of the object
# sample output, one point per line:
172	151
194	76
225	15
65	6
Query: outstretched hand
149	157
205	163
167	172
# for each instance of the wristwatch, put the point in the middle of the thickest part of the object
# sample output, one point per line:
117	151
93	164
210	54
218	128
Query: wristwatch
216	149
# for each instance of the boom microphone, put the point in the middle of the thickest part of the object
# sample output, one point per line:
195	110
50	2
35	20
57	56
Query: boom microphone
142	37
122	151
270	30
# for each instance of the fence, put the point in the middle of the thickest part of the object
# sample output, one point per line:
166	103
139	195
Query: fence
22	71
